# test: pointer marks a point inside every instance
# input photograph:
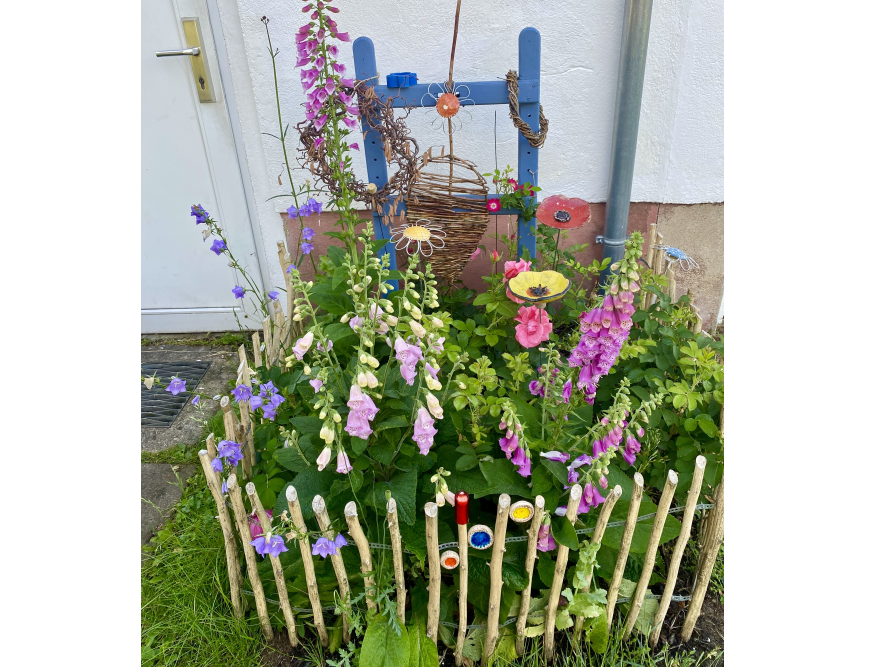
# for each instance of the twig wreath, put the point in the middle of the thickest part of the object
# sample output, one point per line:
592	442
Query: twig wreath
399	148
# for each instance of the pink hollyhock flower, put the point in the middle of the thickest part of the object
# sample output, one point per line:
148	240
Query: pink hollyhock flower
536	387
475	253
525	469
546	542
591	498
533	328
513	269
424	431
631	449
408	356
567	391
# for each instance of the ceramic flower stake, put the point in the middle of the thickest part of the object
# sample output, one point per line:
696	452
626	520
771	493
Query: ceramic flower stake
462	515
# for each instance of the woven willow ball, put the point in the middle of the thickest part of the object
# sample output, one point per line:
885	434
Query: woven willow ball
522	512
480	537
449	560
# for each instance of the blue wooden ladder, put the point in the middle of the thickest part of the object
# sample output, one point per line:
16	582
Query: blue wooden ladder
483	92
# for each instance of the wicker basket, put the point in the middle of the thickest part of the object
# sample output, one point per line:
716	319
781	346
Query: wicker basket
438	194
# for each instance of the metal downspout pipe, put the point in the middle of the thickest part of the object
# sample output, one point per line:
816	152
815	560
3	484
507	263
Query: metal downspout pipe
631	69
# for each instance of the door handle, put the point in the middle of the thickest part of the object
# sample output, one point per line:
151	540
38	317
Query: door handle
194	51
200	71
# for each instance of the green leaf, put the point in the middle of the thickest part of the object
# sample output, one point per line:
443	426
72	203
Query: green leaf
559	470
290	459
306	424
423	650
503	479
688	452
564	532
403	488
598	635
385	645
337	331
308	484
460	402
491	339
541	481
466	462
359	445
588	605
690	424
334	302
707	425
392	423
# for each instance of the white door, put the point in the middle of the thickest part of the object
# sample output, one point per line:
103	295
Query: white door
188	157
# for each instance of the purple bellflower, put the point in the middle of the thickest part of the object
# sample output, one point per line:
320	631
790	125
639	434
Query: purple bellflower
176	386
218	246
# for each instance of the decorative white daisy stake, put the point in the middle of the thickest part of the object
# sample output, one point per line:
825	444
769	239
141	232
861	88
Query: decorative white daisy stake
427	237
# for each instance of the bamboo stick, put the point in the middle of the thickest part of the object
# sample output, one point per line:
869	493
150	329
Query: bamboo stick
267	341
699	322
210	442
364	552
225	522
630	523
395	535
324	523
562	558
293	505
679	547
280	584
597	537
496	567
244	412
278	333
531	554
664	505
706	560
249	554
257	355
432	548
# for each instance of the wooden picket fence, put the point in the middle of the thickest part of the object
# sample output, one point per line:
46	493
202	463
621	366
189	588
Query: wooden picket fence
711	533
656	259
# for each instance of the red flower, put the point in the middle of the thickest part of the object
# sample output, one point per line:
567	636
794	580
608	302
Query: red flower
513	183
494	205
563	213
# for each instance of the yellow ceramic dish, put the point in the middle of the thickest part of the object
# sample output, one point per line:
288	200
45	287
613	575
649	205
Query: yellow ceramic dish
539	287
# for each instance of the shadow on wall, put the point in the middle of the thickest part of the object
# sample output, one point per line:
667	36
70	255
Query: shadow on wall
697	229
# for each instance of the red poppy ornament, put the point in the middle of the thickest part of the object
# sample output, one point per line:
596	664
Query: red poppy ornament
447	105
563	213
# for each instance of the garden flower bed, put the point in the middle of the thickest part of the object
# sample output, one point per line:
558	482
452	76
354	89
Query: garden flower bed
466	443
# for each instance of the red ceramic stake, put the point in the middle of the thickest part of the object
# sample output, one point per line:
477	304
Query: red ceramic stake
462	507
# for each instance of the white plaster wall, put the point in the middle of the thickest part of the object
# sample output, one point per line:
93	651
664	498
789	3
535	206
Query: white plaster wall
680	147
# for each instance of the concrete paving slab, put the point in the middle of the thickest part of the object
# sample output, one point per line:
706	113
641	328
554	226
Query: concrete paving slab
188	426
160	486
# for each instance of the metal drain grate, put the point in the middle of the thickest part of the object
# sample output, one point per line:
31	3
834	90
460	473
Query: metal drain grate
159	407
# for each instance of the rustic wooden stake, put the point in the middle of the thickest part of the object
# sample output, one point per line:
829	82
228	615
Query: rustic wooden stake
280	584
210	442
664	505
392	517
267	341
432	548
496	566
228	533
249	554
324	523
659	255
597	537
278	334
228	418
364	552
709	550
293	505
257	355
531	554
244	411
629	524
672	283
648	297
285	260
462	548
562	558
679	547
